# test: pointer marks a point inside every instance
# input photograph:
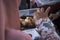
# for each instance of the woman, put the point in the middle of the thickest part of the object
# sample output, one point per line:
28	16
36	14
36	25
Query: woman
44	25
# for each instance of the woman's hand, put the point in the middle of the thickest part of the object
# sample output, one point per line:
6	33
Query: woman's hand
41	13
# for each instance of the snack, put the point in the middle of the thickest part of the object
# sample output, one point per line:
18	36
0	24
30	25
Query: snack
27	23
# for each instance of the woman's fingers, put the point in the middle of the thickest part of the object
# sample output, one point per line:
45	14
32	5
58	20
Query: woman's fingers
36	16
47	11
42	10
41	13
44	13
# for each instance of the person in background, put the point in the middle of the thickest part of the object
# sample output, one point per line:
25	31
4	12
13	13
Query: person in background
54	16
44	25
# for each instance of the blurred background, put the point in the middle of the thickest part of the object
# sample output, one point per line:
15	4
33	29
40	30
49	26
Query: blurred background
27	7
